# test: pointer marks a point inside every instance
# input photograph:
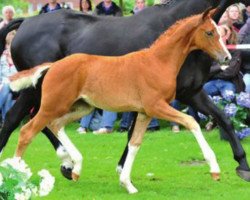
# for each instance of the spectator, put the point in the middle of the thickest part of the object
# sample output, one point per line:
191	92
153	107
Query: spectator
175	127
228	79
226	82
91	122
224	18
50	7
246	13
8	14
235	17
108	7
7	67
65	5
126	122
139	5
86	6
244	31
244	37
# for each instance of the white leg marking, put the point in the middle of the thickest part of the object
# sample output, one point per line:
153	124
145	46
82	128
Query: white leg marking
126	171
206	150
72	150
65	157
119	169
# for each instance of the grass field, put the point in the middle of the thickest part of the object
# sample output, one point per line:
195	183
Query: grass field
165	156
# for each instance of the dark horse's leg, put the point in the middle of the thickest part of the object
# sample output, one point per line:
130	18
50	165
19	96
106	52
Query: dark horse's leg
125	152
15	115
201	102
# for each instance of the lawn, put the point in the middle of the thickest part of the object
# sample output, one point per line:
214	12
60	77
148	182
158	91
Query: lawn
168	166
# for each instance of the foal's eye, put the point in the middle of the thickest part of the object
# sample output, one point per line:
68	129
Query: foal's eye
209	34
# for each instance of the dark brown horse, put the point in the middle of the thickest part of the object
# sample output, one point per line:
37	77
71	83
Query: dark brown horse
133	82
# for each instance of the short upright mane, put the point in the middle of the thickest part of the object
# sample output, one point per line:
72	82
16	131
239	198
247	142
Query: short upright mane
172	29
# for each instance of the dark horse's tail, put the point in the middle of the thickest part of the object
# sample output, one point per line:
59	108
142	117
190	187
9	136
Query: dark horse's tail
13	25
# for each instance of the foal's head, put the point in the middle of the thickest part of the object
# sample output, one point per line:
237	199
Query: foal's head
207	38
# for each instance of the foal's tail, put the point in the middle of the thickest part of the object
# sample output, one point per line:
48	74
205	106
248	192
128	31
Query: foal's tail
13	25
28	78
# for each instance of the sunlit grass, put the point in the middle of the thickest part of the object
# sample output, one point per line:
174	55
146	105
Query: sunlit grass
162	169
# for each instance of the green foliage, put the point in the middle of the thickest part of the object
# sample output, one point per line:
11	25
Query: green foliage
128	5
19	5
12	182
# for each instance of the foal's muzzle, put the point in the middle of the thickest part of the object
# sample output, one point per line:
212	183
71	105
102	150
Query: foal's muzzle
224	59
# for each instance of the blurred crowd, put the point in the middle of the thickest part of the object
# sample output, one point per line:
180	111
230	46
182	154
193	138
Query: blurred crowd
234	27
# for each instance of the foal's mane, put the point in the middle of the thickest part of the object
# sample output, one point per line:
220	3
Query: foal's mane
169	33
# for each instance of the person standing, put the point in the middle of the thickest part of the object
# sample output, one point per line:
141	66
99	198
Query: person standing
7	67
8	14
53	5
108	7
86	6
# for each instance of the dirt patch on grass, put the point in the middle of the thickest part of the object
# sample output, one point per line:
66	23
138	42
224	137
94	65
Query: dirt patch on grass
193	162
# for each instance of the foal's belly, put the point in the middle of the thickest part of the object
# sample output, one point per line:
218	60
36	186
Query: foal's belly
119	103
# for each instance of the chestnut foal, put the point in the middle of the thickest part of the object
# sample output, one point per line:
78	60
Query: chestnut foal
143	81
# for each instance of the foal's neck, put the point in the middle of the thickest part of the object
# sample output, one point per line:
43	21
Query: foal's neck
174	45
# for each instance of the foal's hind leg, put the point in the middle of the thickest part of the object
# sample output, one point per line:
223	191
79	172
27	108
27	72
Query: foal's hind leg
133	147
67	163
162	110
29	130
58	127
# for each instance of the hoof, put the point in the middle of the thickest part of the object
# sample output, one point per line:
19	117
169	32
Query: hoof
215	176
66	172
129	187
245	175
75	177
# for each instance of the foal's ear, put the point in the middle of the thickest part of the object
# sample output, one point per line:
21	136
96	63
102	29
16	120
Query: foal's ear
209	13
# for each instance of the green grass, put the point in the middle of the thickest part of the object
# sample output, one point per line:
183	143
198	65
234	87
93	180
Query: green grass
162	153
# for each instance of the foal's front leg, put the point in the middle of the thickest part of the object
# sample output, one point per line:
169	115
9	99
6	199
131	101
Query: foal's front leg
133	147
162	110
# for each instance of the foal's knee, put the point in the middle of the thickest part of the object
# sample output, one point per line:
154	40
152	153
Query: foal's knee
25	137
192	124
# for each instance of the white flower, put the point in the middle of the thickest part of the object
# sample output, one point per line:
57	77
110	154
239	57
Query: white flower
34	191
27	187
1	179
46	184
18	164
20	196
26	192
